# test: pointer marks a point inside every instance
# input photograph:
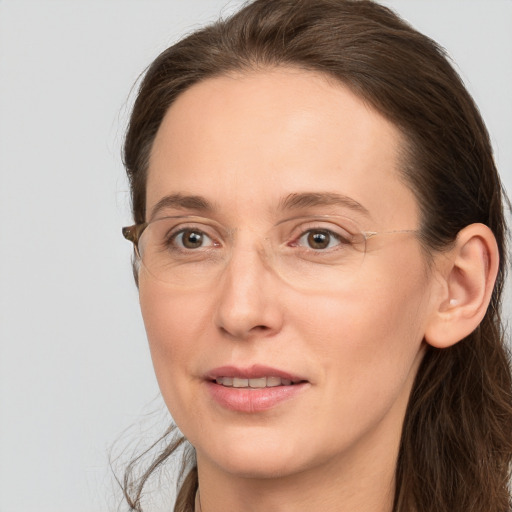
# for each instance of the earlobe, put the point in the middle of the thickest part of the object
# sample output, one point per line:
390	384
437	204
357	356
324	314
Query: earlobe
467	274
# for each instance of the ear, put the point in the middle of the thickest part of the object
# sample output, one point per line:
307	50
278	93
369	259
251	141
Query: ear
467	274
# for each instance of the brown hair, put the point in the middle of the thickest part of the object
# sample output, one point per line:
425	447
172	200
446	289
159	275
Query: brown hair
456	446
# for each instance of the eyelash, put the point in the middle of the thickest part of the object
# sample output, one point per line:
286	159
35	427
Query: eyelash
171	240
324	231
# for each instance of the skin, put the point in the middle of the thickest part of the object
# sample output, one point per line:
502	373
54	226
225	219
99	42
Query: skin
244	142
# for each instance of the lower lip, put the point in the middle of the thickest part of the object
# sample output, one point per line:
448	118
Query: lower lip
255	399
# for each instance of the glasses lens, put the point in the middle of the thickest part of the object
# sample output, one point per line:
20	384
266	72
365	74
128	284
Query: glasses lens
182	251
318	253
308	253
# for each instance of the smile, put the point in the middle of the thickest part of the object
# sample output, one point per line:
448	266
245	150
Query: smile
257	383
253	389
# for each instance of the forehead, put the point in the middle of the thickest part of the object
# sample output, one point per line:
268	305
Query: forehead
248	140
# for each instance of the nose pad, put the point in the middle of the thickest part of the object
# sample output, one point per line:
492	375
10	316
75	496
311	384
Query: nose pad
248	296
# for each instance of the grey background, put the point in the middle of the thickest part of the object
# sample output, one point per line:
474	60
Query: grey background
74	365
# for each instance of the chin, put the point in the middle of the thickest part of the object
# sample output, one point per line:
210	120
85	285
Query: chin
259	466
255	457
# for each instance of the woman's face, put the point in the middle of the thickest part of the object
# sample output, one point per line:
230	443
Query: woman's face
254	150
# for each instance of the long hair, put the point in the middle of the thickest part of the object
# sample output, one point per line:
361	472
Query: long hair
456	445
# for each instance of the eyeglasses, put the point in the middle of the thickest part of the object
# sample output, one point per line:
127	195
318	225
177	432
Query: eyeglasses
312	253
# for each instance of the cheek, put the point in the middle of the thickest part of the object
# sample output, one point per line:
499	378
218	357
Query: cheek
370	337
388	304
169	315
173	322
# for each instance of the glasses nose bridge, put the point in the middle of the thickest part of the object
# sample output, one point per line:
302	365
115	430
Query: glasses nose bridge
249	242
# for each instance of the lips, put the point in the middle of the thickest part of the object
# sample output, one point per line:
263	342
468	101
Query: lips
254	389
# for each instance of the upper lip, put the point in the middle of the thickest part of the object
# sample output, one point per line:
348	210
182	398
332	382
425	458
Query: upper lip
252	372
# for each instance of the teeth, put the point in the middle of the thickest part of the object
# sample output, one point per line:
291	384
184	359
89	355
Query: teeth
240	383
273	381
258	383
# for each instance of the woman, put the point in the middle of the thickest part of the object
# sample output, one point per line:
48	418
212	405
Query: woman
320	254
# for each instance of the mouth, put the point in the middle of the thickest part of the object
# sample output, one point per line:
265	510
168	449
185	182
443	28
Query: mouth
256	376
254	389
255	383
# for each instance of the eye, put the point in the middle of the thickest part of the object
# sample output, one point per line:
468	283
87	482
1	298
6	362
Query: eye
191	238
320	239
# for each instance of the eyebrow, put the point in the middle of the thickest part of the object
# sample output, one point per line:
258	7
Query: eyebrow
182	202
312	199
294	201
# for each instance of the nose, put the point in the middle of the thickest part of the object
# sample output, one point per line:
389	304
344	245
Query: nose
248	303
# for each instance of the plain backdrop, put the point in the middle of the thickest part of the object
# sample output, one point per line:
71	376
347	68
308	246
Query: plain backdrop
74	366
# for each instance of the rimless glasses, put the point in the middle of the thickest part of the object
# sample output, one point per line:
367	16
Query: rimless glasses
311	252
